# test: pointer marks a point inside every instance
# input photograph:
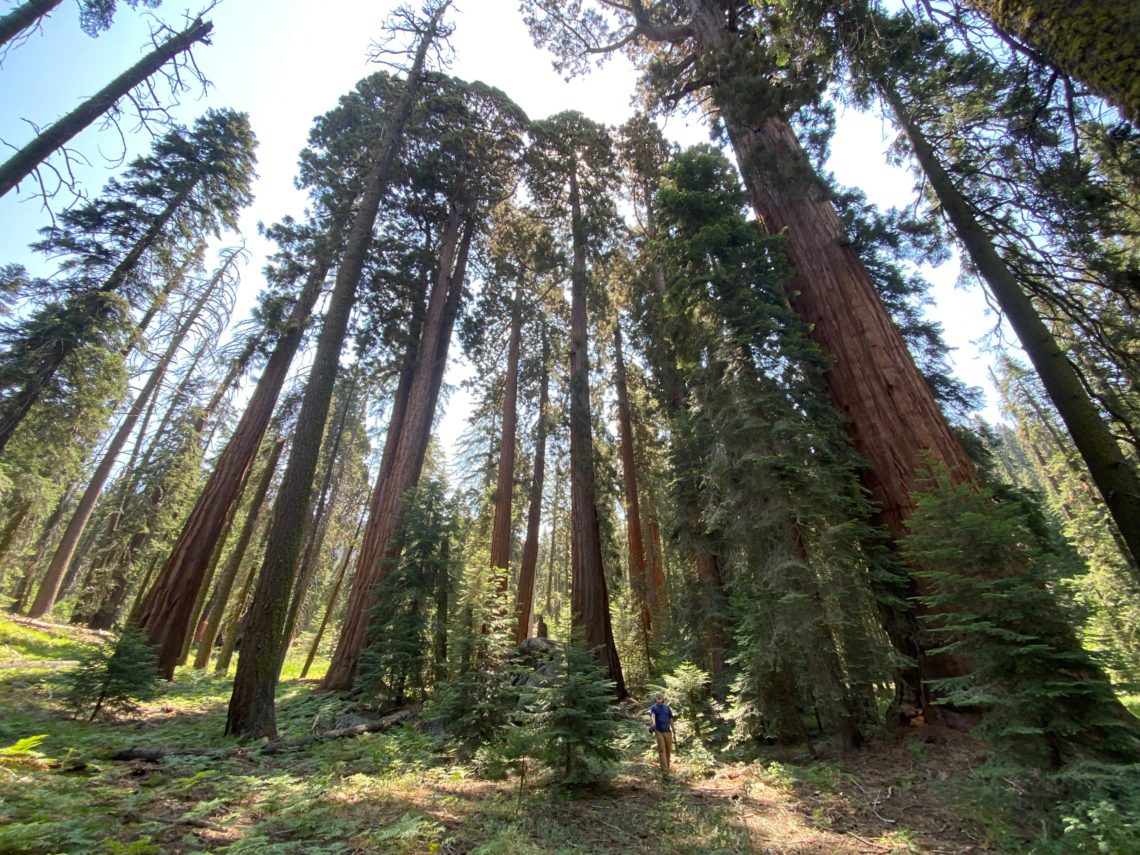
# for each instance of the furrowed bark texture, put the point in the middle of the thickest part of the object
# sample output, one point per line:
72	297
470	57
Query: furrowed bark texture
504	490
251	710
895	423
1095	41
233	565
639	581
20	165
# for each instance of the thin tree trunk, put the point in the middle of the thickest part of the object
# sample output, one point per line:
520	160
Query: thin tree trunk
334	593
20	165
237	616
1114	476
524	599
32	566
24	17
9	533
504	491
442	595
589	597
251	709
164	613
229	575
408	454
555	503
49	588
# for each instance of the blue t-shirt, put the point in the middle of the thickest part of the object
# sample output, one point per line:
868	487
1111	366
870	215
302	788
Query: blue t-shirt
661	717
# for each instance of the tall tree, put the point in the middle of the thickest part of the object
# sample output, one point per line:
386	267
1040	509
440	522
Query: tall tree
251	709
476	160
165	611
572	166
711	49
49	587
193	182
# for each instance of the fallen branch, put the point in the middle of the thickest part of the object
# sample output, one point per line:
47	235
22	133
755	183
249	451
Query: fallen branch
274	747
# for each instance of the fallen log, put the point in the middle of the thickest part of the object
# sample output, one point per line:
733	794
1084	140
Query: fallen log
275	746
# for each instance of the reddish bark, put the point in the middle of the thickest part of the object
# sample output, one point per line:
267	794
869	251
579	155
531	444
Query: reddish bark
589	595
165	611
504	490
403	458
638	567
524	597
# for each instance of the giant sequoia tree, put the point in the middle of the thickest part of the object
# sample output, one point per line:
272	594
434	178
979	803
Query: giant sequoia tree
573	171
251	710
466	163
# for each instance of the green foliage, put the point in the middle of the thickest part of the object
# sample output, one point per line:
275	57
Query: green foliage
687	693
475	704
991	598
574	721
114	678
395	664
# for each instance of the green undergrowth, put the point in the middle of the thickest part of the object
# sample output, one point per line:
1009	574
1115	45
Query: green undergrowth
405	791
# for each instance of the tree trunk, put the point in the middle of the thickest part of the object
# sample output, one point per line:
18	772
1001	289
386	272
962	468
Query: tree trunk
229	575
23	17
407	455
589	597
504	491
895	423
42	545
639	581
251	709
442	595
164	613
1114	476
318	525
1095	42
25	161
49	588
524	598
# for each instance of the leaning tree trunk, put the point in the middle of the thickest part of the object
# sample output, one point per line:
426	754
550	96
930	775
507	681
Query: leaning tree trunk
504	491
49	587
1094	41
23	17
165	612
524	597
589	597
1114	476
251	710
233	564
407	455
20	165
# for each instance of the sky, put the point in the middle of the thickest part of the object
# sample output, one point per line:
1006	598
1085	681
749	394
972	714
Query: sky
286	61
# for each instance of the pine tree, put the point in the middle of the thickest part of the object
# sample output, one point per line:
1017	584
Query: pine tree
575	722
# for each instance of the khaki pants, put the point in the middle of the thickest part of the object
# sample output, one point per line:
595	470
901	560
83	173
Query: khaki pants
664	748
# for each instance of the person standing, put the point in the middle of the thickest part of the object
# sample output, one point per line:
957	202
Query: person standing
661	718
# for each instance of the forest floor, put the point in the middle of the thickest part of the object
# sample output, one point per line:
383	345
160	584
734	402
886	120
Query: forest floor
398	792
